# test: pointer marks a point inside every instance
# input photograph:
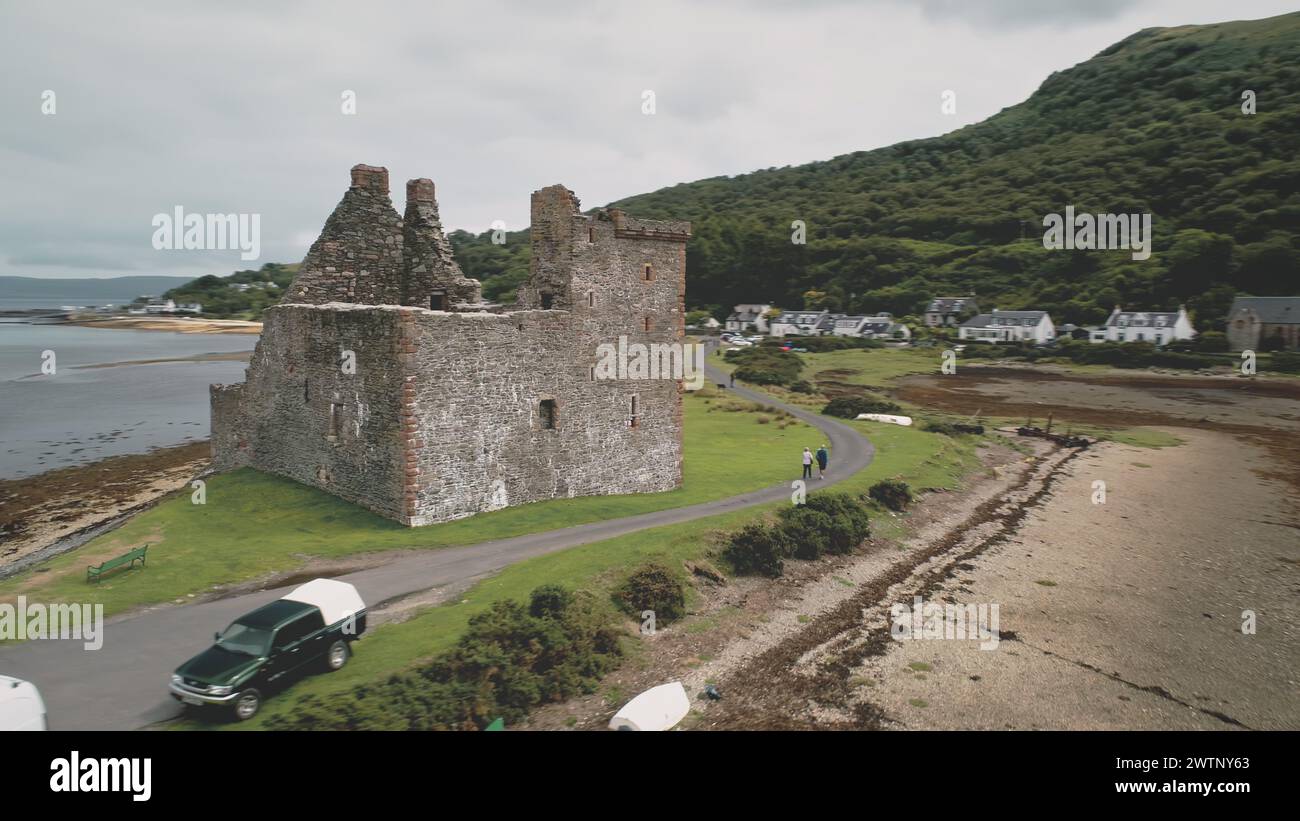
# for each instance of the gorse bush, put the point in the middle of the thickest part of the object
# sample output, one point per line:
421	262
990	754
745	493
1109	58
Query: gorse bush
825	523
512	659
891	493
653	587
807	531
757	550
849	522
848	407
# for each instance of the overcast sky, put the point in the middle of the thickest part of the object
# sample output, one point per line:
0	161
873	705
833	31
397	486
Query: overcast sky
237	107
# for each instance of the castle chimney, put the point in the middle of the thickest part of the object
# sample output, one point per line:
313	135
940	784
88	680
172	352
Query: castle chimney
420	190
370	178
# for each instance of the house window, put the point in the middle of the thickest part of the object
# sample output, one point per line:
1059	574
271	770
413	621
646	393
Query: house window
438	301
649	273
336	419
636	419
547	301
546	413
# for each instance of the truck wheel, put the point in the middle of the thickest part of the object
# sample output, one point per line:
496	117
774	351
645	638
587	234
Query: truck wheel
246	706
337	655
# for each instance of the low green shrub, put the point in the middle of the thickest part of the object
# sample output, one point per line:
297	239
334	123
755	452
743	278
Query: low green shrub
848	407
653	587
892	493
757	550
849	522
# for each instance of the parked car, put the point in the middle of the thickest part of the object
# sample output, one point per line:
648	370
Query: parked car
21	706
741	342
313	626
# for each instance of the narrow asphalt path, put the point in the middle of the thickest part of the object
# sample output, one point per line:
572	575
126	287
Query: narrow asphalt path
123	685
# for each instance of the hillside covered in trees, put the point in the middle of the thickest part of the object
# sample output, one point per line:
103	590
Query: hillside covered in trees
1154	124
240	295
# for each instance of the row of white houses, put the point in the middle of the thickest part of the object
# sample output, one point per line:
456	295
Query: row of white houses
1156	327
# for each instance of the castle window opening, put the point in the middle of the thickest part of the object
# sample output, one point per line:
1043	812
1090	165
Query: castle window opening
647	323
591	235
547	301
438	301
649	273
546	412
336	419
635	418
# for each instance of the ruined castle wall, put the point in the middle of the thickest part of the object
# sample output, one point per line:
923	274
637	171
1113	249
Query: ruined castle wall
358	256
476	383
305	417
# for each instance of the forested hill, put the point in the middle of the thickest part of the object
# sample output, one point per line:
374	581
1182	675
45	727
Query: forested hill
1152	124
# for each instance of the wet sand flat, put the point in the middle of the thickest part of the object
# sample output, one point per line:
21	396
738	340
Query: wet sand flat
1127	614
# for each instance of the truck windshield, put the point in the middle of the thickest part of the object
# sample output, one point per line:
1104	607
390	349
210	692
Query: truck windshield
240	638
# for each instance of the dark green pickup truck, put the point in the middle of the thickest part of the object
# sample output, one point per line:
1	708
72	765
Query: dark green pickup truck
312	626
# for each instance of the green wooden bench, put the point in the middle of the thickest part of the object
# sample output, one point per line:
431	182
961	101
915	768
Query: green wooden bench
125	560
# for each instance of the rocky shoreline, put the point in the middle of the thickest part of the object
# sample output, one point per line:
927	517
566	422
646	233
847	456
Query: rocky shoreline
39	512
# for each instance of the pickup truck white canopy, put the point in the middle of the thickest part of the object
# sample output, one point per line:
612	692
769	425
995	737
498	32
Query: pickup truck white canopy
337	600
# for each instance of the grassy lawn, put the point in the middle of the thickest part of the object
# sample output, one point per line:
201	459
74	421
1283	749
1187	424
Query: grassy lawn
925	460
256	524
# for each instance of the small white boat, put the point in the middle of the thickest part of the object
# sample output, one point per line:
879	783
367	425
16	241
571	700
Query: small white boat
905	421
659	708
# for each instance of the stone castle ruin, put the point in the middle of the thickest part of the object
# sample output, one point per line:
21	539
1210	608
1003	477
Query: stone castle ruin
382	376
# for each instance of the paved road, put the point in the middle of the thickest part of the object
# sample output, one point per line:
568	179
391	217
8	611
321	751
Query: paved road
123	685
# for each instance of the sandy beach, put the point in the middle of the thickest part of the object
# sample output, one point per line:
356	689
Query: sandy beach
182	325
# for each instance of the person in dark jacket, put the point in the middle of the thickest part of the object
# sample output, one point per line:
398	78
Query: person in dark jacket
823	456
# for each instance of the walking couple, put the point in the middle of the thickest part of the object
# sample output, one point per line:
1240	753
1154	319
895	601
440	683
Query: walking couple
823	457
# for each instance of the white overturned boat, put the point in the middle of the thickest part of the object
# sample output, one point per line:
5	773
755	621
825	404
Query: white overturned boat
905	421
659	708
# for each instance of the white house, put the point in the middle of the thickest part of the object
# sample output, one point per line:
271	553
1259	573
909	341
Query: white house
1160	328
157	305
802	323
745	317
882	326
1009	326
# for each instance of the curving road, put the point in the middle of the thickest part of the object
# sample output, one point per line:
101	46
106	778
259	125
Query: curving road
123	685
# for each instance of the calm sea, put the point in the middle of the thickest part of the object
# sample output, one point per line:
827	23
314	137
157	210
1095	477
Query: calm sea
80	414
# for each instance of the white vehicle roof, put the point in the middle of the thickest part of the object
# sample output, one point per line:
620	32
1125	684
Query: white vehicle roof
659	708
21	706
337	600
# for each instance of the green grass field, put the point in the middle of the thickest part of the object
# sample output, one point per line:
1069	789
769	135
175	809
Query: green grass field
255	524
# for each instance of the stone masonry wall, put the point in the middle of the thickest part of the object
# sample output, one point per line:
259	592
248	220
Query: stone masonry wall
307	418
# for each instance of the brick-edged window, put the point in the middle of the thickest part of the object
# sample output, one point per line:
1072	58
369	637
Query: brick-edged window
647	324
547	414
636	418
648	273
